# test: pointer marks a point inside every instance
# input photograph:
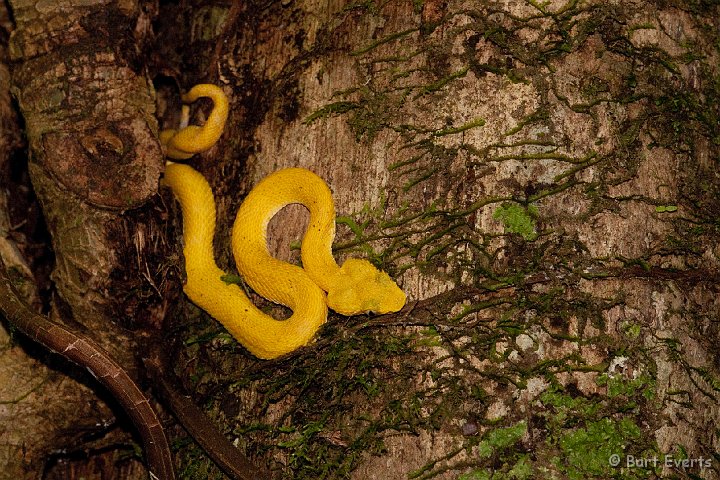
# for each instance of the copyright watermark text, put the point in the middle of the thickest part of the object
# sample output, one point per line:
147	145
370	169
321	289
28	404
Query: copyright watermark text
631	461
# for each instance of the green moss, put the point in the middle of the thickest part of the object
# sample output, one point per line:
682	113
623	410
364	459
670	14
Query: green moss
367	226
621	386
518	219
208	23
478	122
439	84
195	464
522	470
334	108
632	330
476	475
497	443
502	438
587	450
641	26
429	337
384	40
666	208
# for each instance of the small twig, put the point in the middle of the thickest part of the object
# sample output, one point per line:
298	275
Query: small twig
84	352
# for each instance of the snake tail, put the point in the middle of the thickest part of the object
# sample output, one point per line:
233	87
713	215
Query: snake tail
186	142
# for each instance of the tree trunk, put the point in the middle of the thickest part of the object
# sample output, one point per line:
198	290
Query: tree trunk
88	113
540	178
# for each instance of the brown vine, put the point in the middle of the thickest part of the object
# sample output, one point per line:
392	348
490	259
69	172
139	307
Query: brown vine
84	352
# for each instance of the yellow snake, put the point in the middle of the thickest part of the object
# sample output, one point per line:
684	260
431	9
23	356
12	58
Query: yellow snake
356	287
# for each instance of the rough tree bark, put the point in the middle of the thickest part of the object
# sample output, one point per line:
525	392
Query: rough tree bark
88	114
541	178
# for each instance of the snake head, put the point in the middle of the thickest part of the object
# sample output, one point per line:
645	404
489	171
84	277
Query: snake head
359	287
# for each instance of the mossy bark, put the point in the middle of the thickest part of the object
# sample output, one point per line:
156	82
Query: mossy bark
541	178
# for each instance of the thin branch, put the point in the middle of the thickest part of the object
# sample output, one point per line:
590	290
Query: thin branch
225	455
84	352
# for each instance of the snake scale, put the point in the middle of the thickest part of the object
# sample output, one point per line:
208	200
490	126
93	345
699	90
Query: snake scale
353	288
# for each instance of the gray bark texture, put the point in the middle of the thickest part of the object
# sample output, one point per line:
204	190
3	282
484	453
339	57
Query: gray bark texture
541	178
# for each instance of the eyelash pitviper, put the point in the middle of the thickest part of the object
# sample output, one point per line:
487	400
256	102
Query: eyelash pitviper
356	287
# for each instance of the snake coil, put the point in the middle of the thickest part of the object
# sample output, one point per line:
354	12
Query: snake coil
353	288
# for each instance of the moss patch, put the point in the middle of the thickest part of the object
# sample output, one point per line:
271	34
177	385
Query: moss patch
518	219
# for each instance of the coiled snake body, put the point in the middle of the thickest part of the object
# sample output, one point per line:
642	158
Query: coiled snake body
356	287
